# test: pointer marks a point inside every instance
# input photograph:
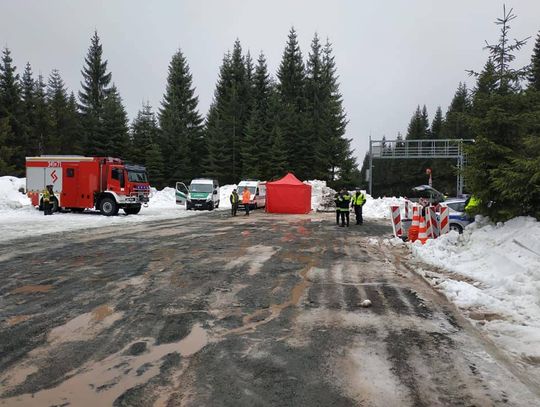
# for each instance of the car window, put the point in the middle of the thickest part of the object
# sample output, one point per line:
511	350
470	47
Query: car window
457	206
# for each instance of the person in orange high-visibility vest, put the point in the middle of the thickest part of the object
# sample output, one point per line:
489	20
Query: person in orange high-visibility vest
246	196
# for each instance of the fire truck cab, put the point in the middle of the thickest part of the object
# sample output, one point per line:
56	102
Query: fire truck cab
105	183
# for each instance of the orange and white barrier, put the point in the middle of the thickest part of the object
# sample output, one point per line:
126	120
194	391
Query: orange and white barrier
413	229
443	220
396	220
408	205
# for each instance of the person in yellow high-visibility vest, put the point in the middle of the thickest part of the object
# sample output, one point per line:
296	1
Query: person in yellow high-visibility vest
472	206
358	200
47	196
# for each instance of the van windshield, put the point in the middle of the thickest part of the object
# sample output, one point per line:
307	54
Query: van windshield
137	176
201	188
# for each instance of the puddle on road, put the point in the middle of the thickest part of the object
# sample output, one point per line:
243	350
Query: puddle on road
85	326
29	289
112	375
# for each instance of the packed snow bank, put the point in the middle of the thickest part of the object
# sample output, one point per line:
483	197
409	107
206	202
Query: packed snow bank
322	197
495	278
19	218
224	193
380	207
10	197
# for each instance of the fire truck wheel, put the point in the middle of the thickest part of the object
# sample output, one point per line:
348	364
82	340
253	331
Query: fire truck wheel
132	210
108	207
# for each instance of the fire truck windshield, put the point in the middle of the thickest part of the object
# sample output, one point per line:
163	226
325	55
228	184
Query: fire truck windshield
137	176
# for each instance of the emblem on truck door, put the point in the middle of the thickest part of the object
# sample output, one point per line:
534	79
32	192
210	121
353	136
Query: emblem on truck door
54	176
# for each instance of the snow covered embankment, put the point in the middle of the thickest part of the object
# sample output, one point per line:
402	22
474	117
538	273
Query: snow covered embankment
19	218
495	279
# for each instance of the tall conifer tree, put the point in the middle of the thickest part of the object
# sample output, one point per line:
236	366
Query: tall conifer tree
95	89
534	73
181	141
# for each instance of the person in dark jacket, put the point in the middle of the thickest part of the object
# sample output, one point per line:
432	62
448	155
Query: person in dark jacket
234	202
47	197
344	202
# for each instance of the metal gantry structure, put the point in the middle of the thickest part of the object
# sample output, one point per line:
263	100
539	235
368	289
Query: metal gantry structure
418	149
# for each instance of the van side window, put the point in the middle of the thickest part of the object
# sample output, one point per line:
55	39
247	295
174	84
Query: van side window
70	172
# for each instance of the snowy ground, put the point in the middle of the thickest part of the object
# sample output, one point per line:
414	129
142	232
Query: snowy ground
492	272
19	218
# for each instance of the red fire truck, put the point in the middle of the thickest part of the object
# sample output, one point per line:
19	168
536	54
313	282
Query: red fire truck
105	183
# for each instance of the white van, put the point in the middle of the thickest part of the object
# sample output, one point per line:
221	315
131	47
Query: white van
203	193
257	190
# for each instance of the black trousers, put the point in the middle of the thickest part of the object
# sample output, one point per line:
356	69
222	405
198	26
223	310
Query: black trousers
344	216
246	207
47	208
358	214
337	216
234	209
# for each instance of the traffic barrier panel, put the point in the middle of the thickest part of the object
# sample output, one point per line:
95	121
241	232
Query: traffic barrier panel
434	222
396	220
407	208
429	228
444	226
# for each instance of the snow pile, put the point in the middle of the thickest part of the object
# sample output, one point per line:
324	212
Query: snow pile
495	277
380	207
322	197
224	193
166	198
10	197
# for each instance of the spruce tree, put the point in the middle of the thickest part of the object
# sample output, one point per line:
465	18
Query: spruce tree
11	109
250	149
95	89
46	142
144	134
456	126
28	88
291	88
534	73
437	124
154	165
6	152
181	140
279	161
115	139
336	148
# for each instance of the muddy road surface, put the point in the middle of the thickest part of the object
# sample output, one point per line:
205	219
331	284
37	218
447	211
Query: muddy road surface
249	311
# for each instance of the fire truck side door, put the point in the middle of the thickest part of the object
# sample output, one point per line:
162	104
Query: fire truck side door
181	193
69	197
116	179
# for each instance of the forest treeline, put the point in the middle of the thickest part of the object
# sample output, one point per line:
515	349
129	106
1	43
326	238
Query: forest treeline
502	114
258	125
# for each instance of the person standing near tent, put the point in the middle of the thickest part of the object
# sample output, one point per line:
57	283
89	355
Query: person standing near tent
344	201
358	200
245	200
234	198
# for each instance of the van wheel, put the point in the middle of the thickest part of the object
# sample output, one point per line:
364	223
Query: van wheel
108	207
132	210
211	206
456	227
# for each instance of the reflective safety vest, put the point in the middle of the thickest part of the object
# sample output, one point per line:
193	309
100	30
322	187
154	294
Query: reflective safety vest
344	202
46	195
473	204
358	199
234	198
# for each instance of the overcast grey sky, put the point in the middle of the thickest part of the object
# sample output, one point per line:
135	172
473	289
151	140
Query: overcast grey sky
390	55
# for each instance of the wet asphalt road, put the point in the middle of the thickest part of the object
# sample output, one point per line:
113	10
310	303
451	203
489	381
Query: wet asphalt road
215	311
